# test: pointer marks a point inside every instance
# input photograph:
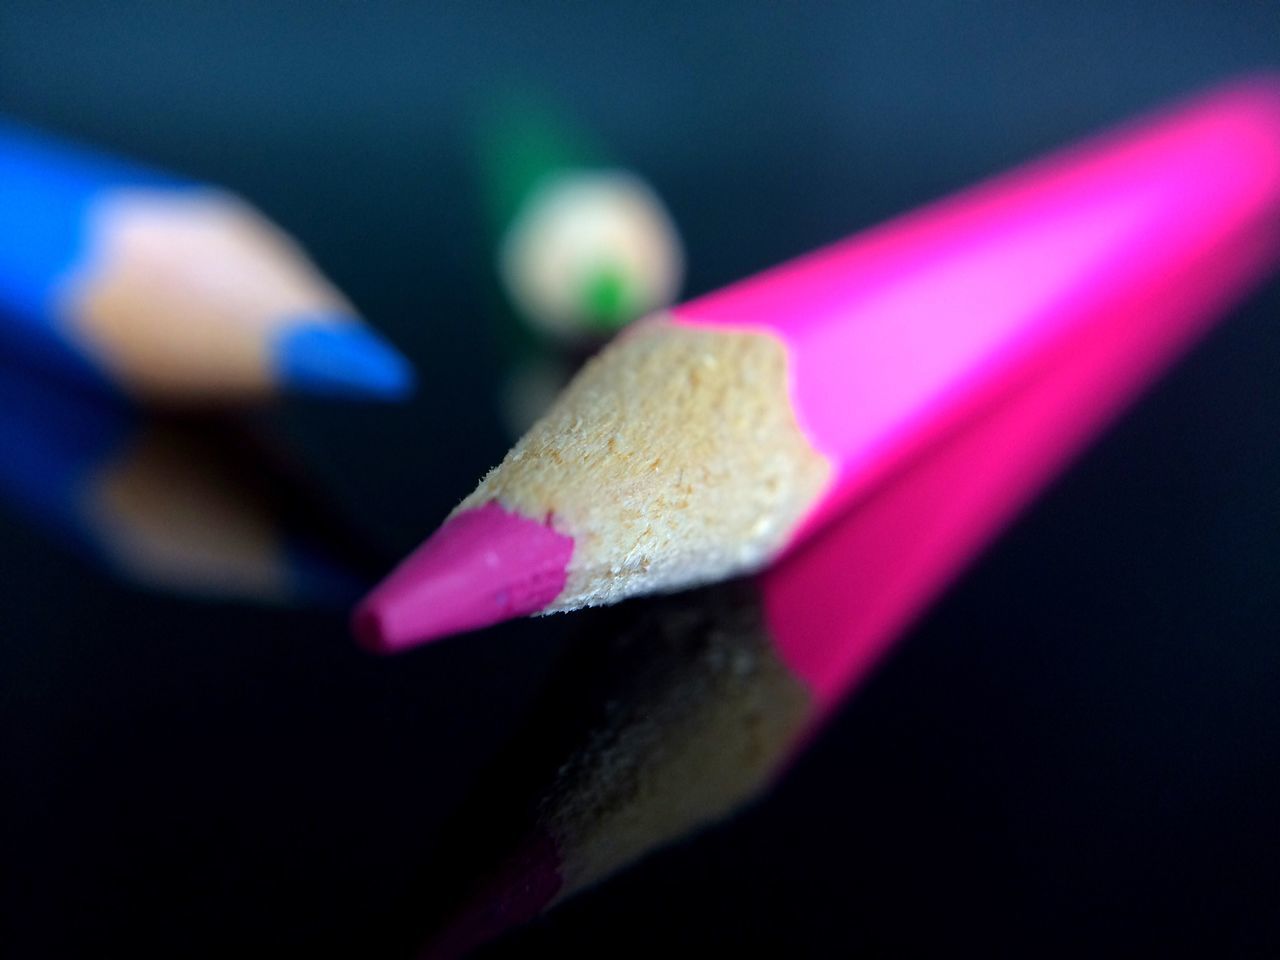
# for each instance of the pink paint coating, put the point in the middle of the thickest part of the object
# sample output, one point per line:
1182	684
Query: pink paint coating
840	601
483	566
900	331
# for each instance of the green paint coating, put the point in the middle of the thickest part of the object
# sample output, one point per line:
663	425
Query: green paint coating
522	144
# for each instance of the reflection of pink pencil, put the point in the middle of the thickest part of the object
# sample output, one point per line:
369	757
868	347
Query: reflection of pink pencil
708	440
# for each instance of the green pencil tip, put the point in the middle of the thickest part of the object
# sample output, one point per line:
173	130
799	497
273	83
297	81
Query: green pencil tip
608	299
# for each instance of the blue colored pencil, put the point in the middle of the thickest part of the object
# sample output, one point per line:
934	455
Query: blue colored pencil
170	290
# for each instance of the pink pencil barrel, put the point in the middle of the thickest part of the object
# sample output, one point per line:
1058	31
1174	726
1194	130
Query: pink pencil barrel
896	332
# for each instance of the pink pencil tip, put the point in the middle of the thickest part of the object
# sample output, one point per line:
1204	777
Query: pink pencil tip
482	567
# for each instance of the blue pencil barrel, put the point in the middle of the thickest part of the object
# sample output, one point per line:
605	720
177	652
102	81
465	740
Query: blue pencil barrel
47	191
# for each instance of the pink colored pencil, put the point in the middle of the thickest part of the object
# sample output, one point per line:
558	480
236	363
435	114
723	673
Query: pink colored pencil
709	733
720	689
711	439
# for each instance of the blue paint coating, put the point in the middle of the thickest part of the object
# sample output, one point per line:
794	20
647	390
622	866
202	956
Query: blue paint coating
47	188
342	358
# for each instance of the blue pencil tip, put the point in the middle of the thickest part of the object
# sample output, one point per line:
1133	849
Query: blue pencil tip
341	359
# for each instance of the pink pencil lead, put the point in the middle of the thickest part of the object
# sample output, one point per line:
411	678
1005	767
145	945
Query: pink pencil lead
482	567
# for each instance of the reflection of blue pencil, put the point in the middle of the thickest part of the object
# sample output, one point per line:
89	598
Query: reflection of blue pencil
171	290
158	505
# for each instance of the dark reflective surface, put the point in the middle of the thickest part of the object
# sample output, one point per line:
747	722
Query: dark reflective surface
1074	750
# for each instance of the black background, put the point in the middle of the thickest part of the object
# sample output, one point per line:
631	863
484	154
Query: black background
1075	751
